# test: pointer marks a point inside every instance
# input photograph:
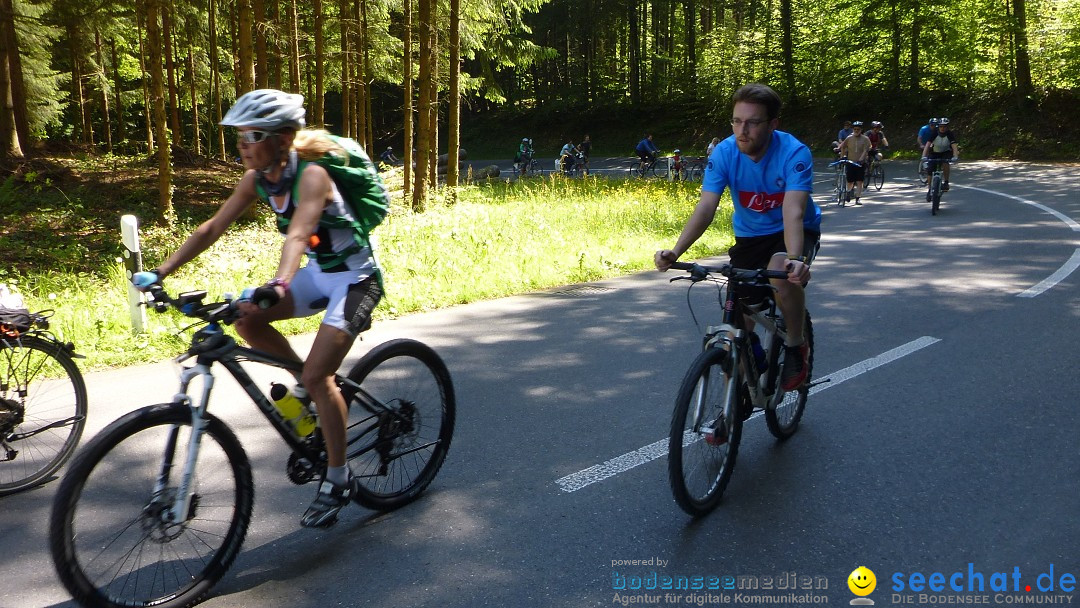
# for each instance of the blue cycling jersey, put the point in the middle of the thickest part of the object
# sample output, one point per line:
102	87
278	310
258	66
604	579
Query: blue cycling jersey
925	133
646	146
757	188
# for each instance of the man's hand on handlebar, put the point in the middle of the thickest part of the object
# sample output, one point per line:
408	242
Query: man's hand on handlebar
664	258
798	272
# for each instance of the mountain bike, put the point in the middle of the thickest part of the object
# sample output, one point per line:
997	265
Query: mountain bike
42	400
936	167
527	167
737	372
640	169
574	166
154	509
840	192
695	169
875	172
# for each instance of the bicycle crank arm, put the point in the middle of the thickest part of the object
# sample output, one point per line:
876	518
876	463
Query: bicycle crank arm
817	382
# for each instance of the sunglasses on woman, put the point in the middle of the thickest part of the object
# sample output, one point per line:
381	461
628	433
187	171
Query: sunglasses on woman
253	137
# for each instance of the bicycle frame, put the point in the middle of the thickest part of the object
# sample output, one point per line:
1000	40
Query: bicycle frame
211	345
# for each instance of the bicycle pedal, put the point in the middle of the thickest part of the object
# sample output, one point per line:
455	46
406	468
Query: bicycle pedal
817	382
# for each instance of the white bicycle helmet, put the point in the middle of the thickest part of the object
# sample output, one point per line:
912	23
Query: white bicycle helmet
268	109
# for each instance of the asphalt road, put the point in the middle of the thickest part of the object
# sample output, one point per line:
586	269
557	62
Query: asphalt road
945	444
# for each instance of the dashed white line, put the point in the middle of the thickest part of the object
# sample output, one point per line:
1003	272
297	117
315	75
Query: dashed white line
658	449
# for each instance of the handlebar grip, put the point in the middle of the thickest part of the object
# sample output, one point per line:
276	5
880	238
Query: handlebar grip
683	265
265	297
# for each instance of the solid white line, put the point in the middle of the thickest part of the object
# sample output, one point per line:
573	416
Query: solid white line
1059	275
1067	268
658	449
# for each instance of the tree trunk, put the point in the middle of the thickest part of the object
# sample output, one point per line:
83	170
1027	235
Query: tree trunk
407	105
294	49
1023	62
157	94
454	112
170	71
102	83
215	77
121	128
346	67
194	94
140	11
787	49
320	60
635	55
897	46
365	108
262	63
15	74
245	71
9	139
433	102
916	30
423	143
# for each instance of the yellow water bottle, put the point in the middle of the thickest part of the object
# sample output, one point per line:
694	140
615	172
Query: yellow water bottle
292	410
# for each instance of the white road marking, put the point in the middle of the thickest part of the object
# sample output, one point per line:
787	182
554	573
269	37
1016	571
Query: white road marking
658	449
1067	268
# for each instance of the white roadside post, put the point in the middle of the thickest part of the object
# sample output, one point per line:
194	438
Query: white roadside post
129	231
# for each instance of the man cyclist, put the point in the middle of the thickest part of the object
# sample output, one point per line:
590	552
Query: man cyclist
843	134
926	132
585	147
646	151
942	146
857	149
567	155
777	225
388	156
341	277
877	140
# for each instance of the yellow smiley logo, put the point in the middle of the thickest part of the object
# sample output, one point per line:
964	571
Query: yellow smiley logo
862	581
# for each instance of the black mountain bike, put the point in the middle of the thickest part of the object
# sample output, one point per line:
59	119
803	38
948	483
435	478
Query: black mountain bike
936	167
737	373
42	400
640	169
154	509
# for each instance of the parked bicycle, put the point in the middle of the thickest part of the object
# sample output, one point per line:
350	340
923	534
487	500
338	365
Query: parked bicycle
167	527
695	168
841	194
737	373
42	400
936	167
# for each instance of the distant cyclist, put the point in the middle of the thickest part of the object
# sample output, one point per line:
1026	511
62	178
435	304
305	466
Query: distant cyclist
941	147
524	155
857	149
388	156
877	139
567	155
585	147
647	151
926	132
843	134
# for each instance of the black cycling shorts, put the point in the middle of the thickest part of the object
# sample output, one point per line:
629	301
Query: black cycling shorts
752	252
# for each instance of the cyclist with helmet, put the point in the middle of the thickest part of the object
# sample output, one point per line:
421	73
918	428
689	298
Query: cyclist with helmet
770	175
676	165
524	155
877	139
388	156
857	149
843	134
942	146
272	143
925	133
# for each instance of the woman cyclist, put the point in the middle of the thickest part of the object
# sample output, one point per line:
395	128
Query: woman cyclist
341	277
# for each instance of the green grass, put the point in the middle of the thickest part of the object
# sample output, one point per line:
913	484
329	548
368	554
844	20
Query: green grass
499	239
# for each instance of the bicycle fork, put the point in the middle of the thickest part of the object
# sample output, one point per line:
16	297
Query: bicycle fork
718	432
182	499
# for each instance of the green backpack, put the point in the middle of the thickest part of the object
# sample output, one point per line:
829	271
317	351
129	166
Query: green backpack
361	188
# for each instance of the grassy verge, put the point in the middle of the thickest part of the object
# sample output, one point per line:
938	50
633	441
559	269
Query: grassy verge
499	239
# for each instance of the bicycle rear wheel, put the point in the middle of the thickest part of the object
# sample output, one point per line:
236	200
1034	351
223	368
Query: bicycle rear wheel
110	536
935	194
783	418
397	453
697	173
705	432
42	410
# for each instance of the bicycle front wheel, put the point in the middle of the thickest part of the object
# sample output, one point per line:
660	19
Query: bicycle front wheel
705	432
396	453
42	410
783	417
935	194
878	176
697	173
113	537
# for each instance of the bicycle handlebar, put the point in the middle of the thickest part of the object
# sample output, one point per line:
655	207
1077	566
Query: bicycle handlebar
699	272
227	311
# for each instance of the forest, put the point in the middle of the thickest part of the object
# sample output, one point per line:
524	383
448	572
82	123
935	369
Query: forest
153	77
